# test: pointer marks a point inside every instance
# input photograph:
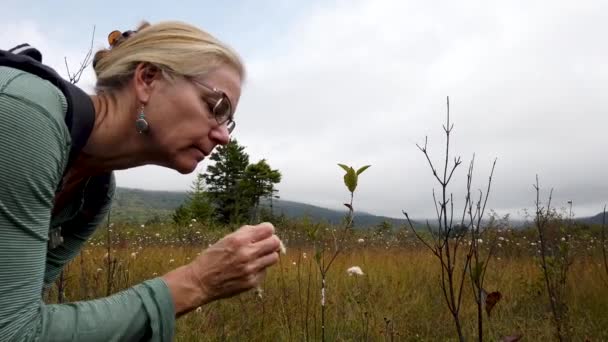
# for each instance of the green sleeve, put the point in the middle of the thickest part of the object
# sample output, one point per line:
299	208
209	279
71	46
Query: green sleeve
33	150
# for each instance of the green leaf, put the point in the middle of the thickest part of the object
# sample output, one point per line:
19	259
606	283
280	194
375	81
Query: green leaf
350	180
360	171
346	168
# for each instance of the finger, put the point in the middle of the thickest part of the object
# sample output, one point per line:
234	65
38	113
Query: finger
261	275
265	261
254	280
258	232
266	246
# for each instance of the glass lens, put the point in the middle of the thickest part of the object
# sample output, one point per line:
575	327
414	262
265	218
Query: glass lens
222	110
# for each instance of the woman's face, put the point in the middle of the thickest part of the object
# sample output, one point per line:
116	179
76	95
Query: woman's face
183	126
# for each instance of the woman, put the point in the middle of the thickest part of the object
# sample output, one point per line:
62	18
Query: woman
165	95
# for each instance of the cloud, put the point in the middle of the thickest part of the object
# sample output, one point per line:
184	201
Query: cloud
362	82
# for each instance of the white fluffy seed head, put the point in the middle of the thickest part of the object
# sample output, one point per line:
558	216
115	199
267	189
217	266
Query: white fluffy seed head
355	270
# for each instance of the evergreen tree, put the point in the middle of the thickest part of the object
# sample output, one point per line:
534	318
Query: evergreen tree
197	206
223	182
258	182
181	215
234	186
200	205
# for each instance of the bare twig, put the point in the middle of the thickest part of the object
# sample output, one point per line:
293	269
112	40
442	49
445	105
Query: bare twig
436	207
475	218
604	240
75	77
479	218
417	235
555	287
443	246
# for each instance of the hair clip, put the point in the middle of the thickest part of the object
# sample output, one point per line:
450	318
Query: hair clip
116	36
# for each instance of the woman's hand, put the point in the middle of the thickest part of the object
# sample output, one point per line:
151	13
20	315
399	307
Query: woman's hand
234	264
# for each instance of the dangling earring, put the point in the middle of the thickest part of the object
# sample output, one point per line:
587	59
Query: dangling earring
141	124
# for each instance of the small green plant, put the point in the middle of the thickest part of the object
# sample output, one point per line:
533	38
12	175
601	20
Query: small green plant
351	179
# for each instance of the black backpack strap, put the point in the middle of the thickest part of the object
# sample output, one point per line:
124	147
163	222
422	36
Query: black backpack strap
27	50
80	119
80	115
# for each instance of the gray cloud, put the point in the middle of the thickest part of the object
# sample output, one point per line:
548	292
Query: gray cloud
363	82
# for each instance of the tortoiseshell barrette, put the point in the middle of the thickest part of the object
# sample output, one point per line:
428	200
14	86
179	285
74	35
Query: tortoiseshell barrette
116	37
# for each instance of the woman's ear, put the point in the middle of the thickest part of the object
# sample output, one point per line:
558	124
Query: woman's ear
146	77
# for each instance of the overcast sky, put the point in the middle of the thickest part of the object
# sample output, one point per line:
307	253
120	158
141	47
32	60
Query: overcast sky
361	82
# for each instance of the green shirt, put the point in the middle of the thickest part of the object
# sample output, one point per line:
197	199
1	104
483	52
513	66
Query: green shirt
34	147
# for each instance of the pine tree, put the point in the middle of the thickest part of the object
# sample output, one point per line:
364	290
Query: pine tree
235	187
197	206
259	183
223	182
200	205
181	215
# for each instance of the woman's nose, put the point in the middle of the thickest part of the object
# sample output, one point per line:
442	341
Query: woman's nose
220	134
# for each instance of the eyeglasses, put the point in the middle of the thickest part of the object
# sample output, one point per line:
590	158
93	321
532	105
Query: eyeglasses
219	105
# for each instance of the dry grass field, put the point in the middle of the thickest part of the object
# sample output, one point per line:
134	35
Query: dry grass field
397	298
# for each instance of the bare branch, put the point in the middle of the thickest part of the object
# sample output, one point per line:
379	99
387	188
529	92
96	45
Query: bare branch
467	265
487	261
75	78
485	202
436	207
416	233
65	59
456	163
436	237
451	214
424	150
447	145
444	289
552	291
604	240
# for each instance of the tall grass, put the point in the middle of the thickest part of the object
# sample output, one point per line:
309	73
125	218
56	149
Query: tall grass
397	298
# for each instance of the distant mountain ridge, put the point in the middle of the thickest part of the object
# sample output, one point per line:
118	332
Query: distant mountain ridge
140	206
595	219
297	209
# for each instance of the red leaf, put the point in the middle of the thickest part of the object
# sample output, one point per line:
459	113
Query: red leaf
491	301
512	338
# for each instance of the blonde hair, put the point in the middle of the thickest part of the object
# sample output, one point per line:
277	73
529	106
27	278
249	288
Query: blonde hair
175	47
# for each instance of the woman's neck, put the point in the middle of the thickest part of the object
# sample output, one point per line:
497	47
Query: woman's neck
113	144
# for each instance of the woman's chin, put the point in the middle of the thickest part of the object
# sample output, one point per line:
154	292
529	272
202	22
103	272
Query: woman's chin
185	166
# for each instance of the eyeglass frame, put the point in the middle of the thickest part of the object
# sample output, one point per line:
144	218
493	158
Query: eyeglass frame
229	120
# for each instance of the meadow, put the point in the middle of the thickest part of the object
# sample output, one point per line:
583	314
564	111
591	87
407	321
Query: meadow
396	298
